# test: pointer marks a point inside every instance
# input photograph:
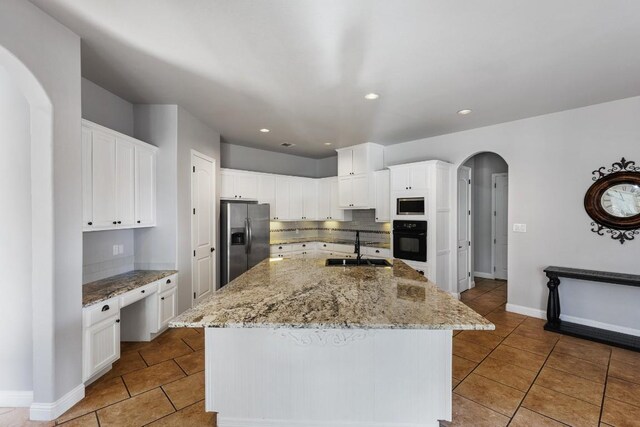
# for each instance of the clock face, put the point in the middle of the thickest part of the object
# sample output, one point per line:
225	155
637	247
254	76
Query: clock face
621	200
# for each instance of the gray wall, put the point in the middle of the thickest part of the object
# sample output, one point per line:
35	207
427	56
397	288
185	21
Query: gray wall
103	107
192	135
484	165
156	247
51	54
15	238
253	159
550	161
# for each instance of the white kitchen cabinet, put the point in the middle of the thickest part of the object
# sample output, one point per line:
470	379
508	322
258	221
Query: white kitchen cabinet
309	199
354	192
101	337
409	178
360	159
118	180
267	192
145	183
336	213
324	199
383	198
167	307
103	173
125	183
283	198
236	184
296	188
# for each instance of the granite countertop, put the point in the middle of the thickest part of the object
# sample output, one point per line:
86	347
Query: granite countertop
303	293
102	290
351	242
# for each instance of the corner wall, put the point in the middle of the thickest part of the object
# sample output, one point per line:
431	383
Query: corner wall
550	161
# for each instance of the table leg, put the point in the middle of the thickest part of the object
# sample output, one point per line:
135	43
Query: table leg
553	304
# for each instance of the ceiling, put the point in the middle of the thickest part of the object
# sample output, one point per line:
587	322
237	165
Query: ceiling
301	68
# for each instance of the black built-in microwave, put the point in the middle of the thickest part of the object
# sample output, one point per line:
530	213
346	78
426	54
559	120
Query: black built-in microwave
410	206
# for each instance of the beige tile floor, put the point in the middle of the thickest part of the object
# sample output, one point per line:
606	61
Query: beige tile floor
517	375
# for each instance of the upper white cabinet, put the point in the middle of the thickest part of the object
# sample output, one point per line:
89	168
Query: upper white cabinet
238	185
309	198
118	180
335	212
409	178
267	192
359	159
383	197
355	175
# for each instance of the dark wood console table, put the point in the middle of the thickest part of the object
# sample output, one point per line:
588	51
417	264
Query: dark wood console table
554	323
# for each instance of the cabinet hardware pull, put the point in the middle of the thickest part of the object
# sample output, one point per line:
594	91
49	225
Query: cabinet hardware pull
138	221
115	222
117	320
105	308
90	223
162	298
213	249
377	251
168	281
119	222
142	291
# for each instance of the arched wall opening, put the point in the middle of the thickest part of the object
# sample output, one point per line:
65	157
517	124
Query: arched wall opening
482	213
26	236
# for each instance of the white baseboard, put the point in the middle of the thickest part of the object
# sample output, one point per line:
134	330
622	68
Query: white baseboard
456	295
51	411
15	399
483	275
542	314
244	422
527	311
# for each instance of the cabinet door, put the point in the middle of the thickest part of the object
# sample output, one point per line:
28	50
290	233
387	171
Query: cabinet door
101	345
87	190
227	182
103	179
345	162
267	192
282	198
360	159
295	198
145	187
125	183
324	199
345	192
166	307
418	178
337	214
246	186
383	202
360	190
310	199
400	179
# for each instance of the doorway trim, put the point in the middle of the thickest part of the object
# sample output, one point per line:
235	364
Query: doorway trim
470	279
493	220
194	154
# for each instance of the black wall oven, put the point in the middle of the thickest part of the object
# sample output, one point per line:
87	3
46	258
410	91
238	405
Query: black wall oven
410	240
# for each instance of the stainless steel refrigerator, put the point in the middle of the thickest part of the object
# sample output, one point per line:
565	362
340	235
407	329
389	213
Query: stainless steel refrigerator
244	237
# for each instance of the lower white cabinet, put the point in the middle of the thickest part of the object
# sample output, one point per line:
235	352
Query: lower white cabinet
167	307
101	338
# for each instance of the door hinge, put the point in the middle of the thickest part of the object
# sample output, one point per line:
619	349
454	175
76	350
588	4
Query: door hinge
194	211
495	185
494	213
194	168
469	242
494	269
194	295
469	211
469	182
194	253
494	241
469	274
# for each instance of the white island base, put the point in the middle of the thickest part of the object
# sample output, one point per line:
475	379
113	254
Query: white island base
284	377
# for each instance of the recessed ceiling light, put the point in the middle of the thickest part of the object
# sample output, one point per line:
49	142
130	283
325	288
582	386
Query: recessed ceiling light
371	96
265	130
327	143
464	112
287	144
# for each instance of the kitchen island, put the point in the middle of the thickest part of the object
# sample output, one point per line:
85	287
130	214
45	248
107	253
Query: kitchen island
295	343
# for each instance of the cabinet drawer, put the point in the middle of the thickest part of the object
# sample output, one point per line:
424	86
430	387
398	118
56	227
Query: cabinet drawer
168	283
103	310
379	252
280	249
138	293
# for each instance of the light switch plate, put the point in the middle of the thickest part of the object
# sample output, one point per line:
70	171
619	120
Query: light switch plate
115	250
520	228
120	249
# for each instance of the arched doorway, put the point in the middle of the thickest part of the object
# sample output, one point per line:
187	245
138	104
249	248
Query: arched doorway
482	231
27	235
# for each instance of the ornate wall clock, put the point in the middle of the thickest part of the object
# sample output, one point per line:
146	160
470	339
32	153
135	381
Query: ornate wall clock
613	201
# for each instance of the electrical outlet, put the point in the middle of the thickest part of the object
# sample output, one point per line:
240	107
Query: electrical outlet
297	231
115	250
520	228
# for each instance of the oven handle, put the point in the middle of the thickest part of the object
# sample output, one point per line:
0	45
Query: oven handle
400	233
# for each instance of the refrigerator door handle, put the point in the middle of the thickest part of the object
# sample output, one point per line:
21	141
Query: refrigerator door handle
249	235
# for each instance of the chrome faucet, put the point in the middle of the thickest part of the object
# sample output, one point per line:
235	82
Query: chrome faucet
357	248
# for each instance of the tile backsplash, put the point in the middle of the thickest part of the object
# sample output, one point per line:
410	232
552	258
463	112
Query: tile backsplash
362	220
98	259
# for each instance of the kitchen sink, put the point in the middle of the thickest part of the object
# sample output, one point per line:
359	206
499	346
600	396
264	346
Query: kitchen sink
350	262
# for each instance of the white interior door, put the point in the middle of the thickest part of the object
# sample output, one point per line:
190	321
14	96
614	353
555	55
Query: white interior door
464	228
500	229
203	271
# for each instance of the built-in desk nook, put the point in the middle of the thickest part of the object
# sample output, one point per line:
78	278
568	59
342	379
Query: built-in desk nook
555	324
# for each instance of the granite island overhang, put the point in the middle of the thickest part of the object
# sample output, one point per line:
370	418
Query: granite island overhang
293	342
